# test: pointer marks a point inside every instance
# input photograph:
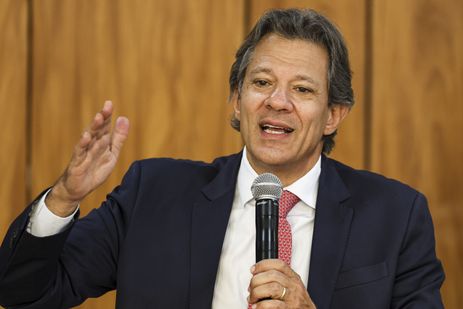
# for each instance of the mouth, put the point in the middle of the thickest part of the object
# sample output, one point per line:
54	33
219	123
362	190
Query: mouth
273	129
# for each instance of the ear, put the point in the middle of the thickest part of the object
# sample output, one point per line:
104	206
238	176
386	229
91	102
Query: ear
235	100
337	113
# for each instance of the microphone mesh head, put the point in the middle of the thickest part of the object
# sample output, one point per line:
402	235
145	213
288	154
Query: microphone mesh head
268	186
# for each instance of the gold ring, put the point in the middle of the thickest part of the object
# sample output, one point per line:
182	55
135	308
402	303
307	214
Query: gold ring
282	294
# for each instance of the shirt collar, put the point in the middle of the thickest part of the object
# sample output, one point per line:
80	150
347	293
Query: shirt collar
305	188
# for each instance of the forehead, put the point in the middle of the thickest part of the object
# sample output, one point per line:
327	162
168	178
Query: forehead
275	54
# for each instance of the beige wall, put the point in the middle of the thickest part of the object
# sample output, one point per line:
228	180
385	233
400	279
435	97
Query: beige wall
165	66
13	115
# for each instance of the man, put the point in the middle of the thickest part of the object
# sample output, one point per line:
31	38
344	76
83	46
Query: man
180	234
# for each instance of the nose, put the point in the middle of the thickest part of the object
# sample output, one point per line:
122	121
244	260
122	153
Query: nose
279	100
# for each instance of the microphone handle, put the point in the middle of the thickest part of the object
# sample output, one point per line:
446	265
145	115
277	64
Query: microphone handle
266	229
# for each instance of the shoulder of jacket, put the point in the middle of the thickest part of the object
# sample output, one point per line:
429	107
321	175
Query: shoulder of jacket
171	168
364	180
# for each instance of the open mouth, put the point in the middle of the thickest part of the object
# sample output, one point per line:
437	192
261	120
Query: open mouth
271	129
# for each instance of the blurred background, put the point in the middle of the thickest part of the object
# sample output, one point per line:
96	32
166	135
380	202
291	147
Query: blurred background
165	65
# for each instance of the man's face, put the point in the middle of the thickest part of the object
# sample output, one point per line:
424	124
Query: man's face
283	107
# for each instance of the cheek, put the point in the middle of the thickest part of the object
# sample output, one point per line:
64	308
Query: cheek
314	121
254	96
249	105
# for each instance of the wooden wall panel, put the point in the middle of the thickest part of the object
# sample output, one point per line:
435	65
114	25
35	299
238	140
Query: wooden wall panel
418	114
164	64
13	84
349	16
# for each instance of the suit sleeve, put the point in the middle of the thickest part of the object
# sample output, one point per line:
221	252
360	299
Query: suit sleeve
62	270
419	273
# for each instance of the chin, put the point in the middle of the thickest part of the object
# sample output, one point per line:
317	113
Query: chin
272	157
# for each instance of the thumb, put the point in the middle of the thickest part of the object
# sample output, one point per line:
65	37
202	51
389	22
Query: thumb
120	133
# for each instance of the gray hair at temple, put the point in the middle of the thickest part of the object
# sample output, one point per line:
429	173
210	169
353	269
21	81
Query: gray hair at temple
303	24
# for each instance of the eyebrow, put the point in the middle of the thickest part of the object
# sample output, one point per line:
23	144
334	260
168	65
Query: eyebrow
260	69
306	78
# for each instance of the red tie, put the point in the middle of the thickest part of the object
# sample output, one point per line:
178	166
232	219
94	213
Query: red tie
285	241
287	202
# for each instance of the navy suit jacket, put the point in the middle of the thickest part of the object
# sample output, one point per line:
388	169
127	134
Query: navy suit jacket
157	239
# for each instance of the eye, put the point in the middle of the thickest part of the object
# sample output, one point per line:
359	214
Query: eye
303	89
261	83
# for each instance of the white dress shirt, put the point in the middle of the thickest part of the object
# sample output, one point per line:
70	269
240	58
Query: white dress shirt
43	222
238	251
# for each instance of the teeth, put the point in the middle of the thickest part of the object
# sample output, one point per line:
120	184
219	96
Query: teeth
275	130
272	131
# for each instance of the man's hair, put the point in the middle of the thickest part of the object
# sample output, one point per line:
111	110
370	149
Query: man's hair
307	25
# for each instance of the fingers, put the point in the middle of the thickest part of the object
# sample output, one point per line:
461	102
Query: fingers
101	123
80	149
121	131
98	138
275	285
268	277
107	109
93	160
269	304
273	264
99	146
99	127
273	290
268	284
107	141
83	143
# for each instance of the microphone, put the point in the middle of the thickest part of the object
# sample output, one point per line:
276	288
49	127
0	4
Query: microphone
266	190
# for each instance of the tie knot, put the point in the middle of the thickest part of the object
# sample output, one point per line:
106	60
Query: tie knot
287	202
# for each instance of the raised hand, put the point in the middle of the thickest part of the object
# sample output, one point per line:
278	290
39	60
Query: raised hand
93	160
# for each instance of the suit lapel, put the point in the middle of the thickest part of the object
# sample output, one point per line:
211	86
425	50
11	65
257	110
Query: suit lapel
210	217
331	229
